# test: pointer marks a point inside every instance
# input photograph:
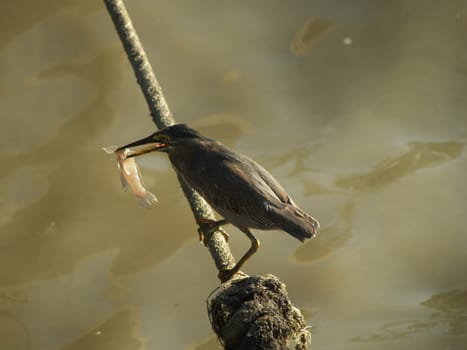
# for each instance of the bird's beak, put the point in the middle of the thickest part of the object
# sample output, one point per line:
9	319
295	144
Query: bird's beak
146	145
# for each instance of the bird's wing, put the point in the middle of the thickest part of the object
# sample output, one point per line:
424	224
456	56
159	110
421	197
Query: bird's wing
283	210
272	184
246	185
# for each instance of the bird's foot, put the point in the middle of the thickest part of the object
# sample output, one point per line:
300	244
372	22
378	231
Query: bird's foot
225	234
208	227
226	275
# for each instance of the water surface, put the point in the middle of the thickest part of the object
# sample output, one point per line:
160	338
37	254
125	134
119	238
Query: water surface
357	107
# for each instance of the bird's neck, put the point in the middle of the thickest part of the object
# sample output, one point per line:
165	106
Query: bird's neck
185	159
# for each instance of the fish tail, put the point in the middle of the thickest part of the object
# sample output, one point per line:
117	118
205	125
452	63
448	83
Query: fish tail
147	200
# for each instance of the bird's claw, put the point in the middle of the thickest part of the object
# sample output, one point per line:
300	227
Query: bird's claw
225	275
207	227
201	236
225	234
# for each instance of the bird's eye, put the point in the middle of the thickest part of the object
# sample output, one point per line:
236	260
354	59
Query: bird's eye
161	138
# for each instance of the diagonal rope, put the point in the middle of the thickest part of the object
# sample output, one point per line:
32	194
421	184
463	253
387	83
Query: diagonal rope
162	117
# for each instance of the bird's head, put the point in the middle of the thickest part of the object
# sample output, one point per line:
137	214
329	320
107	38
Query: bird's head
163	140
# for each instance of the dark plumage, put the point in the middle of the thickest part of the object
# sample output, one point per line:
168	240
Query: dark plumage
237	187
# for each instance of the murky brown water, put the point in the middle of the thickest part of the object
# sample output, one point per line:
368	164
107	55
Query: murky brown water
359	108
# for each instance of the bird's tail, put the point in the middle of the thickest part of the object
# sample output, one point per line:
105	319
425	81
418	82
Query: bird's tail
296	222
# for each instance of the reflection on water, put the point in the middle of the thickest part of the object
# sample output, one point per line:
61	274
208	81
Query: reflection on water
309	34
14	295
450	317
209	344
332	237
395	331
215	125
37	12
25	249
13	333
420	155
450	310
298	157
118	332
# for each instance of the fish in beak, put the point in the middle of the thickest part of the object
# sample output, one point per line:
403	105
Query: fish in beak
145	145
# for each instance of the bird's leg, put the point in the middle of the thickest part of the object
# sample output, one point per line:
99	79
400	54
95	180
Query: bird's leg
225	275
208	227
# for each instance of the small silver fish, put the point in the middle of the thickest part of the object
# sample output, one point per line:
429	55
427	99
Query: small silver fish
130	176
